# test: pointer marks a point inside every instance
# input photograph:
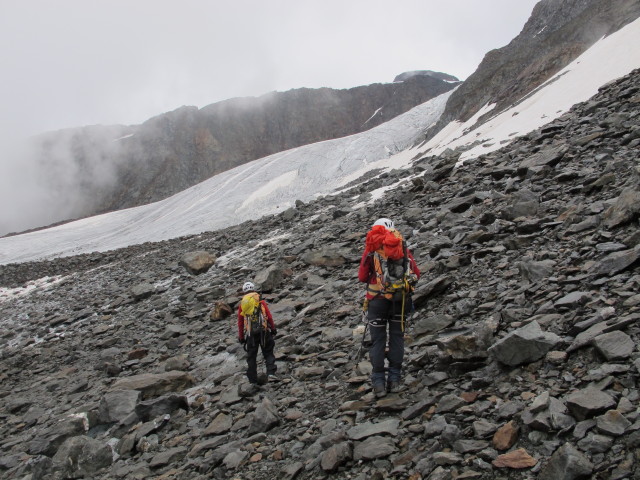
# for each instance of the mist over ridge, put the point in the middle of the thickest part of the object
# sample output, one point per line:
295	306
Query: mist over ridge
75	173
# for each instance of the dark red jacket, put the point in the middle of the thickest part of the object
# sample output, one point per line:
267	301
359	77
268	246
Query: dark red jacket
270	324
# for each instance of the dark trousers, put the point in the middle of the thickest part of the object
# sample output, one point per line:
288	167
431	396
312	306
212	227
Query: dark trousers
386	314
253	345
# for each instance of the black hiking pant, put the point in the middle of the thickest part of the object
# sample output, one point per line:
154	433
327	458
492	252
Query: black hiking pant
267	345
384	314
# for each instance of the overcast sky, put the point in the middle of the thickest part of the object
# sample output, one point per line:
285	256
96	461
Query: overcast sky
68	63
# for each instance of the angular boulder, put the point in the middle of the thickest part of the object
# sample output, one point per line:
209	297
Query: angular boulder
155	384
589	402
614	345
567	463
165	404
625	210
524	345
117	405
265	417
197	262
81	457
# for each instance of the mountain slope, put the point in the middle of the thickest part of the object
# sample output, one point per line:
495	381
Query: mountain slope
273	184
264	186
100	169
557	32
521	357
609	58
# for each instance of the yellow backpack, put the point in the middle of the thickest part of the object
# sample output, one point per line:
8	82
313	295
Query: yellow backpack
255	318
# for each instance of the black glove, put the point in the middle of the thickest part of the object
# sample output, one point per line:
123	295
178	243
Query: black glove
274	332
242	341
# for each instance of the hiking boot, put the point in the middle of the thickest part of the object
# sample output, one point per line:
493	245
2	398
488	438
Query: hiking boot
273	377
393	387
379	390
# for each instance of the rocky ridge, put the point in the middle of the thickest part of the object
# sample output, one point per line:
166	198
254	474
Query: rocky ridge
556	33
521	358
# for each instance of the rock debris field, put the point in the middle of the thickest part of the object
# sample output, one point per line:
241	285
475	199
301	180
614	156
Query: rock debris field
521	355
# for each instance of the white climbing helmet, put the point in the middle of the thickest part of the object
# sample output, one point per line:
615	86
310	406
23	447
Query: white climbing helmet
248	287
385	222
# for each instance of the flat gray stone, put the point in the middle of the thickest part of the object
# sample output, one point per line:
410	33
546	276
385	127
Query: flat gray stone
589	402
172	455
612	423
359	432
374	448
614	345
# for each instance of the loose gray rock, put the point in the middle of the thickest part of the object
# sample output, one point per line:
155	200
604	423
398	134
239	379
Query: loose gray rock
166	404
336	456
48	442
80	457
142	291
567	463
615	345
450	403
616	262
369	429
374	448
172	455
222	423
265	417
269	279
612	423
534	271
589	402
595	443
524	345
573	300
150	384
197	262
625	210
116	406
235	459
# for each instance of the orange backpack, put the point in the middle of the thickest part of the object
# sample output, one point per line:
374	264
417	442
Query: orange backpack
390	261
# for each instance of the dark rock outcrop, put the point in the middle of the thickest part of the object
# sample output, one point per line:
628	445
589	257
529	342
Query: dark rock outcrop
557	32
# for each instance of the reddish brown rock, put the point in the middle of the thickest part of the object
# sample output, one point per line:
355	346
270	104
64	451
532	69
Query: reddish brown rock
515	459
506	436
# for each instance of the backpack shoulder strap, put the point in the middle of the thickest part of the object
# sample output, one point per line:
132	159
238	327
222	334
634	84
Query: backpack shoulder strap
263	314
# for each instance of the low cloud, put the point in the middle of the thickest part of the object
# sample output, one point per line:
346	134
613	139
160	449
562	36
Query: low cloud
56	176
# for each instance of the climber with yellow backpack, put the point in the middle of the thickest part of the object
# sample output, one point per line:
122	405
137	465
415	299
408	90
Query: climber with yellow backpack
390	271
256	330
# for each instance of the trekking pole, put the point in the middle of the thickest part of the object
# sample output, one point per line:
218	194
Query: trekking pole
364	335
365	320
